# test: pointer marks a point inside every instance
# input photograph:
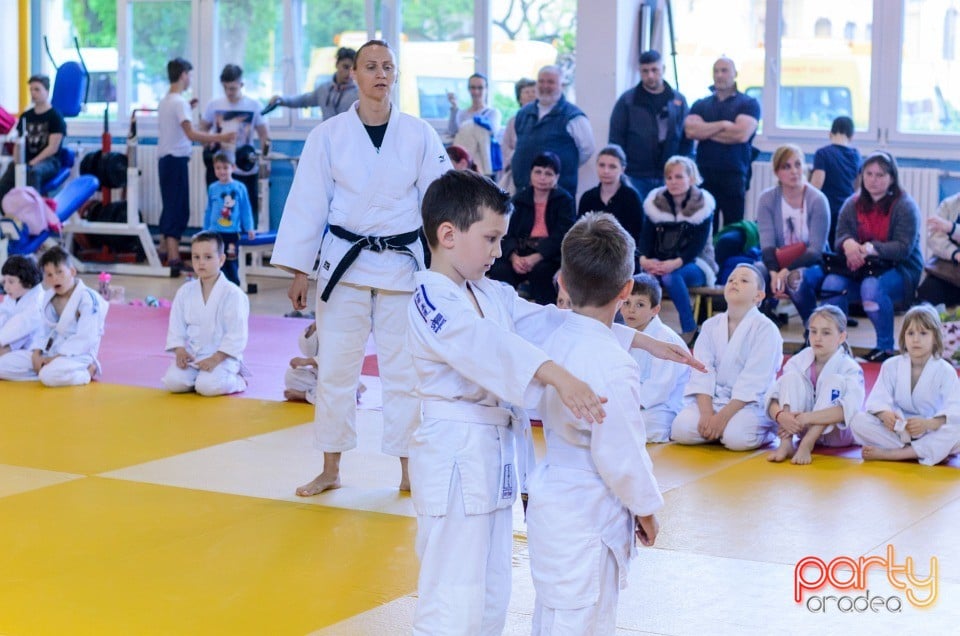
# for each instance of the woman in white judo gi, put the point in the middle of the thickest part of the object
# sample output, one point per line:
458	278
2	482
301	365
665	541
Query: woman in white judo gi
820	391
355	199
20	316
913	411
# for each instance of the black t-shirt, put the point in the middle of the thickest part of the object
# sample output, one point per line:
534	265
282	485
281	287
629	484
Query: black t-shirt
38	129
376	134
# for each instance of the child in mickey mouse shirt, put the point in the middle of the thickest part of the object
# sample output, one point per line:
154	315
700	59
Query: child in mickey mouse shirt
228	213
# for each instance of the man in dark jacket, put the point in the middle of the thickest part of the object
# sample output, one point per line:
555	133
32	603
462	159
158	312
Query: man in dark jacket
647	122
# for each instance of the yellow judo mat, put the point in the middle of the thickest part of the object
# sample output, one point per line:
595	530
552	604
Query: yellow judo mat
131	511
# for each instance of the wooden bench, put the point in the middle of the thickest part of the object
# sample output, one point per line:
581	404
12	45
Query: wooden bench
697	294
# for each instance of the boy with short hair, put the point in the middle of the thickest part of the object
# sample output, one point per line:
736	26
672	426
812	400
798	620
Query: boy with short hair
228	214
175	134
742	350
661	382
471	366
208	326
43	129
64	350
594	493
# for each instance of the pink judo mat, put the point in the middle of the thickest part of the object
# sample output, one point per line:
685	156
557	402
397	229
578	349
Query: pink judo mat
132	350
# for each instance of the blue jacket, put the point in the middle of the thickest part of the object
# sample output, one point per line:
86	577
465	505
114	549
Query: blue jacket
536	135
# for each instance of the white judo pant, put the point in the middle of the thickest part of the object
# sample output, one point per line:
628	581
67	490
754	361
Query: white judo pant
465	561
657	422
748	429
302	379
344	323
224	379
61	371
797	393
932	447
599	619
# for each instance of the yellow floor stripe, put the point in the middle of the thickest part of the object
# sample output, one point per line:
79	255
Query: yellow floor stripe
100	556
96	428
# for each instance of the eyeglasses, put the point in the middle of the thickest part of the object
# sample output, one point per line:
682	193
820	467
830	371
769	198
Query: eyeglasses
476	88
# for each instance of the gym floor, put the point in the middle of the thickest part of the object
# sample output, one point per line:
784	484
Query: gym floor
126	510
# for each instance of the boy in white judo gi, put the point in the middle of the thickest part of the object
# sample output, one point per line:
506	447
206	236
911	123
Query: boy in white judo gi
662	382
20	315
64	350
208	326
913	411
300	379
472	341
820	391
594	494
743	351
355	199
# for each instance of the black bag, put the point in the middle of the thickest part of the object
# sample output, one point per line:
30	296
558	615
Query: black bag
945	270
874	266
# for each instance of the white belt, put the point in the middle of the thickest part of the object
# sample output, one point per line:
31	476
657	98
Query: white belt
574	457
466	412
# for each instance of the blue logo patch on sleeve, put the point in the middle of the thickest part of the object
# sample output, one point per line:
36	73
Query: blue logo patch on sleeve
834	395
430	314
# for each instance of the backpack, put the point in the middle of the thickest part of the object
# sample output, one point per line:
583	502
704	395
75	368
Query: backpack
30	209
7	121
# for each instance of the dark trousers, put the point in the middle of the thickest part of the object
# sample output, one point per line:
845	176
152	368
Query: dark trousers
540	278
729	189
36	175
936	290
231	249
174	174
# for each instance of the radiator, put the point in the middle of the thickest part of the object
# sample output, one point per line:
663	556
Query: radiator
923	184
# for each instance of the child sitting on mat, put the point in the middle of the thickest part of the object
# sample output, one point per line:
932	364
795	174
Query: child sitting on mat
20	315
208	326
913	411
820	391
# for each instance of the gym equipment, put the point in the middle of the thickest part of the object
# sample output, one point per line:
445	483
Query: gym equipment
69	201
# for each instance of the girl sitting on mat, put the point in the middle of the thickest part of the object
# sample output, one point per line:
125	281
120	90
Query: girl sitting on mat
913	411
820	391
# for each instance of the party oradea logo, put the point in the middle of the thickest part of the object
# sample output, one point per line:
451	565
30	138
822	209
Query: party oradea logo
896	586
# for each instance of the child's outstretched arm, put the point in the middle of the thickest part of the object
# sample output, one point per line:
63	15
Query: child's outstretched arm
667	351
575	394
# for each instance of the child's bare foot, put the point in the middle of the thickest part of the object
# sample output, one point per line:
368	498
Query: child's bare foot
295	396
872	453
802	456
784	451
404	475
92	370
320	483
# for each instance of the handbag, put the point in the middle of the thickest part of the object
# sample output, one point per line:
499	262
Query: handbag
787	254
873	267
944	270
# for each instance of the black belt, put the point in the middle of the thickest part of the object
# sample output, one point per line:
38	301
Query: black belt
397	243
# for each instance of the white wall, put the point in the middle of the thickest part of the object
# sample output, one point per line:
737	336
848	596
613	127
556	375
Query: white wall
10	54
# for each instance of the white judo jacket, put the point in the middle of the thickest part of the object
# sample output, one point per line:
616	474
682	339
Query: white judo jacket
849	397
937	391
78	330
203	328
21	319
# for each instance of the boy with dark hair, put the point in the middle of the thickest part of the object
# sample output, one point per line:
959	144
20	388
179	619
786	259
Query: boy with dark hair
471	339
64	349
208	326
228	214
175	137
835	169
742	350
662	382
594	493
43	129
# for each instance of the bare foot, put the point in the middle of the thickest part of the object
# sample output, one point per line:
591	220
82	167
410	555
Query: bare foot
784	451
872	453
293	395
802	456
404	475
92	370
320	483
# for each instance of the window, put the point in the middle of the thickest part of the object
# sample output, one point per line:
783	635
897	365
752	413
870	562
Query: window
159	32
525	37
929	92
94	24
250	33
323	27
436	56
698	45
823	76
